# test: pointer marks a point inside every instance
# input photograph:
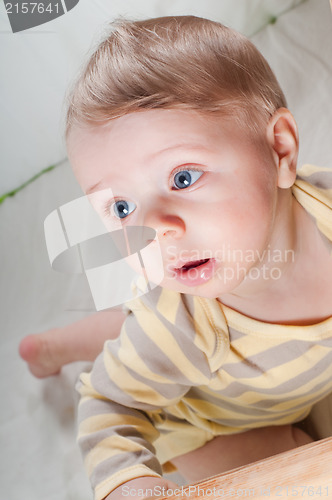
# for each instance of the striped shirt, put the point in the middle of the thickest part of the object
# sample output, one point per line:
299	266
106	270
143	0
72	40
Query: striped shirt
187	368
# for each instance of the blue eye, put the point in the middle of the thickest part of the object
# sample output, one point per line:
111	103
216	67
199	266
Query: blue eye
186	178
122	208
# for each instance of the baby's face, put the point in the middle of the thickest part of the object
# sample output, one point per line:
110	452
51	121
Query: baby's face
207	187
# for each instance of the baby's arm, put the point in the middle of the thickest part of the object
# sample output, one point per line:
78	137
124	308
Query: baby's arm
83	340
116	430
148	368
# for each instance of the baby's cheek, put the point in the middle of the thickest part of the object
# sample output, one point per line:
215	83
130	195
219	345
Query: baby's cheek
149	263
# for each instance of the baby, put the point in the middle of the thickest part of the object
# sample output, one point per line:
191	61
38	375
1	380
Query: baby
186	123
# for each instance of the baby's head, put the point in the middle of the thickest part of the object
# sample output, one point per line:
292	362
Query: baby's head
184	121
175	63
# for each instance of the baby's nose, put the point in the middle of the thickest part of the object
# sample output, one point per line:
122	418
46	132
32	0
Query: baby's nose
166	225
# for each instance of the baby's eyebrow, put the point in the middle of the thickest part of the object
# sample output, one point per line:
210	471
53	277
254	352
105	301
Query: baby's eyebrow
192	146
94	187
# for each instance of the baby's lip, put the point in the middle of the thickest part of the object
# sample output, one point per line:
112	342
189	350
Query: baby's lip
194	273
184	265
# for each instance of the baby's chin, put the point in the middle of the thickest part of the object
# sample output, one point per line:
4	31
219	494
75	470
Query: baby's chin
208	290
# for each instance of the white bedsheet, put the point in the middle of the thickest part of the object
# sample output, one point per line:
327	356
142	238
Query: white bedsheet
39	457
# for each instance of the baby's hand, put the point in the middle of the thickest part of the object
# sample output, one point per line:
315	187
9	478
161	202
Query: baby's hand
147	488
47	352
42	352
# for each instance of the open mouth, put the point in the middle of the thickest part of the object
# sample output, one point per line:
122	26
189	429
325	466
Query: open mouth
195	272
194	264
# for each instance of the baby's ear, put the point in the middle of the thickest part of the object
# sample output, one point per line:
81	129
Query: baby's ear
282	136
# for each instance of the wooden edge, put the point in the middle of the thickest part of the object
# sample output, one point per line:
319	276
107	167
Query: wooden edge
304	472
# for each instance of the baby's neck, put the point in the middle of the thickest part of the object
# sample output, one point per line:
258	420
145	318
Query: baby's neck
303	293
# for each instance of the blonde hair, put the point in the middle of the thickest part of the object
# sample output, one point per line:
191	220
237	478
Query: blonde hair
182	62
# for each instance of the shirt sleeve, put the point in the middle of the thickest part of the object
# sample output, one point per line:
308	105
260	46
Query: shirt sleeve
151	366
